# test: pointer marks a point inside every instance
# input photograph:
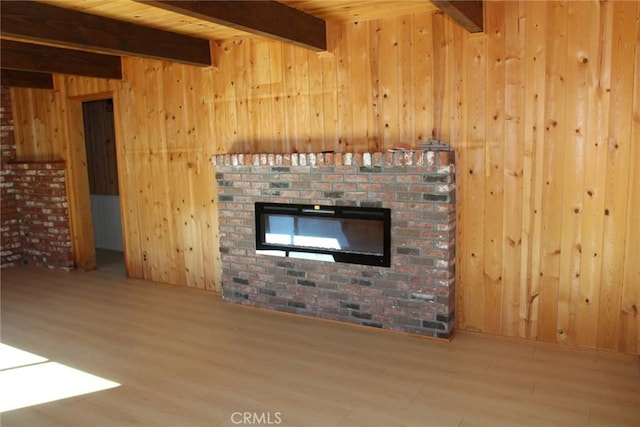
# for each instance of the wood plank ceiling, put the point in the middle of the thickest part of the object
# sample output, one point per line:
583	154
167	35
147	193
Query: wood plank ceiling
73	37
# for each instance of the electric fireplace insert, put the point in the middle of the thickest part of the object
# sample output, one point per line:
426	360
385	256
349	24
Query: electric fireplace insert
357	235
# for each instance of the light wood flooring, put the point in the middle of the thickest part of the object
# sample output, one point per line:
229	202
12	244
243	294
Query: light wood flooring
185	358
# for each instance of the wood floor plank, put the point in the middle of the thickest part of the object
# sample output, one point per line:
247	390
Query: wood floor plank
183	357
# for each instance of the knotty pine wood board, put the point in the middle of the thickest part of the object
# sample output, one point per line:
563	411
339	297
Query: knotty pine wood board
357	38
318	112
471	184
618	146
594	182
406	125
390	79
494	171
329	113
444	61
512	207
78	192
572	189
422	72
344	127
305	138
131	204
630	320
437	90
537	125
552	171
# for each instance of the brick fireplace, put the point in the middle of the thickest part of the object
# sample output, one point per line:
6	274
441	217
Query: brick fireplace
416	294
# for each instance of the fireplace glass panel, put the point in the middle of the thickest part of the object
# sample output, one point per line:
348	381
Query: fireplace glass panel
348	234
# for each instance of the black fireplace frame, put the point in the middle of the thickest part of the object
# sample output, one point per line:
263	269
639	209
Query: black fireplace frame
324	211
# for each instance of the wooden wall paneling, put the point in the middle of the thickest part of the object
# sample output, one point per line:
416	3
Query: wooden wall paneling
421	84
330	107
184	182
130	169
514	34
439	71
344	138
153	193
573	170
35	137
451	106
78	188
389	77
253	101
630	325
360	84
556	49
241	86
130	237
618	146
456	83
594	183
174	89
278	129
629	341
316	107
536	74
471	188
302	105
207	201
405	65
288	96
225	89
374	101
86	88
494	169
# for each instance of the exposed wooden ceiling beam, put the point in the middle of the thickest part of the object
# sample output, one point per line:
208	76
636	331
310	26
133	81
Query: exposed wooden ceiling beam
32	57
38	22
265	18
12	78
467	13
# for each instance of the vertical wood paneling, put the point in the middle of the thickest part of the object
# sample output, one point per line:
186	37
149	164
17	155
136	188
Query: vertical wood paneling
595	169
494	169
630	318
554	123
514	33
573	165
618	147
542	113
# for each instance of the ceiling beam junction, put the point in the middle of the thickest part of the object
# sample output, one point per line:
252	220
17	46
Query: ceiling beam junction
467	13
48	59
43	23
15	78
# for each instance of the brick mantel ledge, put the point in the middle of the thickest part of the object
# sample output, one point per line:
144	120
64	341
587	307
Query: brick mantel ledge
427	157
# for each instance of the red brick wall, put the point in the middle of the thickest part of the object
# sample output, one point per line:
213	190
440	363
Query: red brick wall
415	295
42	210
11	248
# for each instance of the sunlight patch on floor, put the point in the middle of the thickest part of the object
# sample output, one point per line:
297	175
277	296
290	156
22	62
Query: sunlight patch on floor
27	379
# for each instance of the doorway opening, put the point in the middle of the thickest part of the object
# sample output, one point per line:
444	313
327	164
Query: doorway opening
102	167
